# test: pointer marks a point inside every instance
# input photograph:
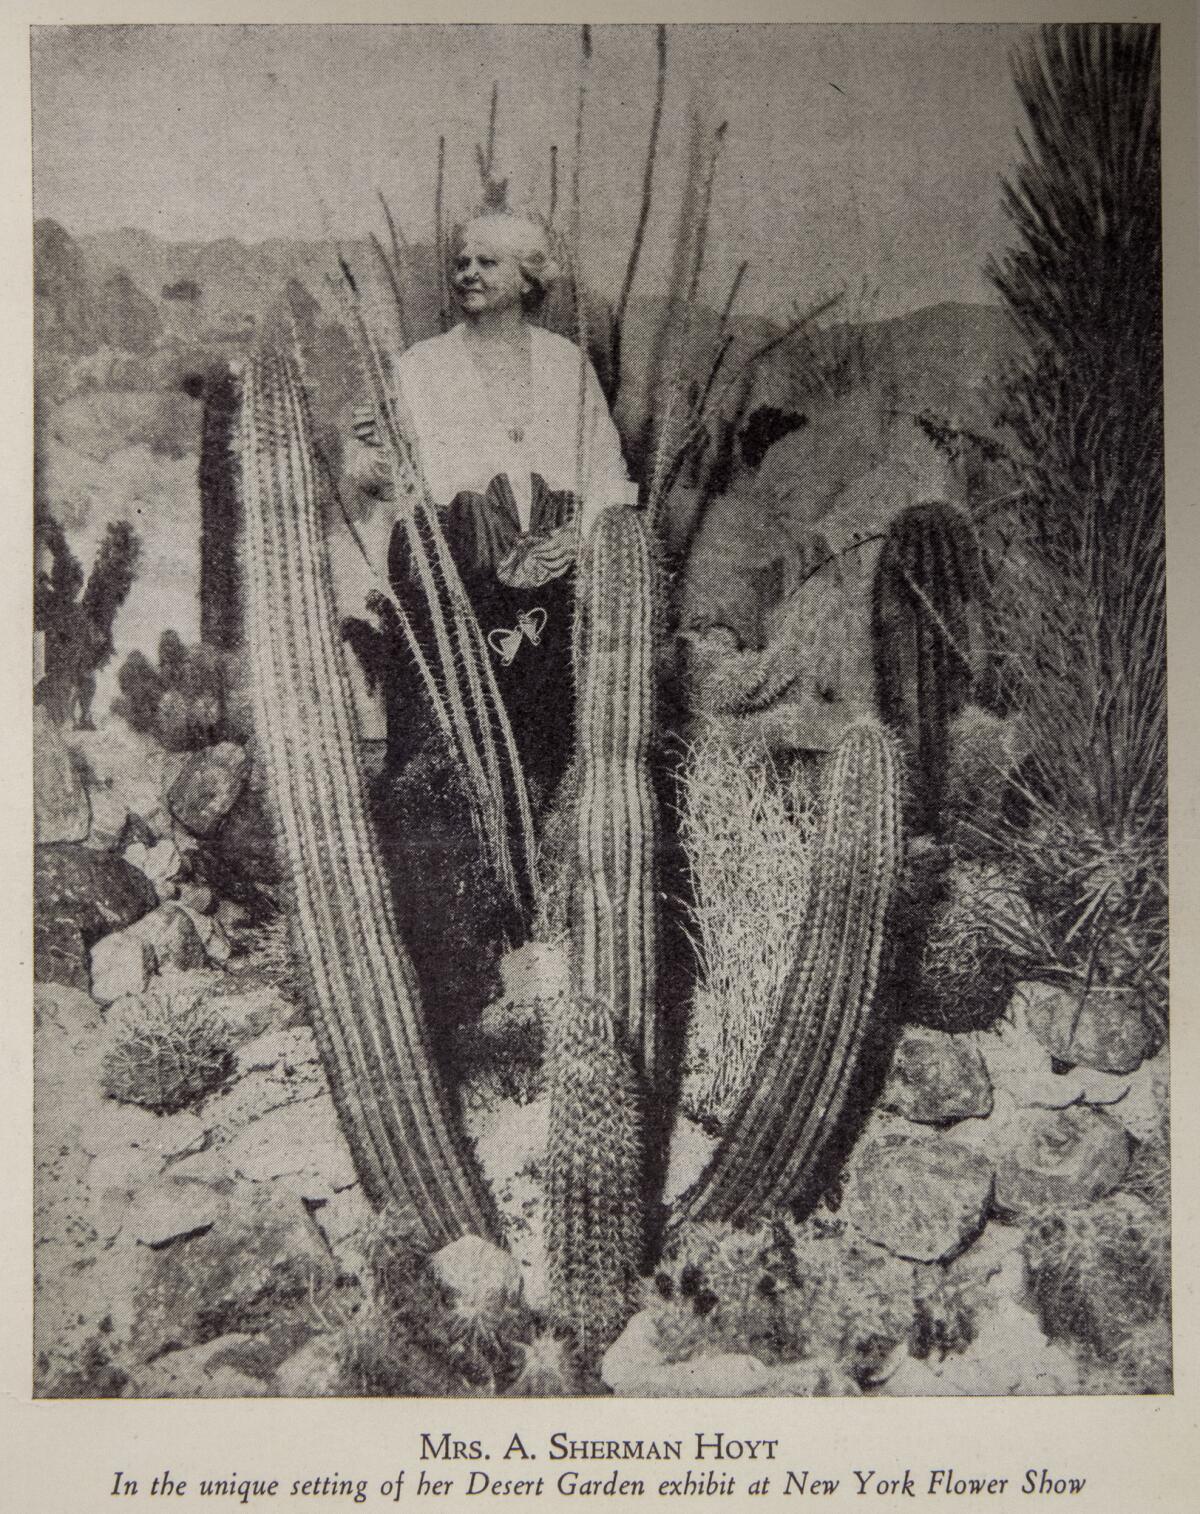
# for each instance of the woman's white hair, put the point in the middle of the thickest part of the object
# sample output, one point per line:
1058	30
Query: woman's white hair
530	240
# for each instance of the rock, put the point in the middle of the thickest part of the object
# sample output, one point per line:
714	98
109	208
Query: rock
921	1194
121	966
212	937
160	862
483	1277
197	1372
1021	1067
821	1377
262	1255
164	939
197	897
314	1371
110	817
343	1217
81	895
1105	1030
61	811
118	1126
301	1140
170	1210
1010	1356
691	1150
1060	1157
113	1178
132	766
994	1265
937	1078
208	786
633	1367
1145	1111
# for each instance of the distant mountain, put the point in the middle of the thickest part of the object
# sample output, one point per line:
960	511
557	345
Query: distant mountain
77	312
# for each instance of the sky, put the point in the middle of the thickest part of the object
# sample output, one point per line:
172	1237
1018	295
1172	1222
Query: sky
858	157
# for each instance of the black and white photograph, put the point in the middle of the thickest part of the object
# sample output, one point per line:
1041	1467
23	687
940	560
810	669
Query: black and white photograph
600	713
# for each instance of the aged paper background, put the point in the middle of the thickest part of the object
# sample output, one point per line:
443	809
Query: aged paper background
1135	1454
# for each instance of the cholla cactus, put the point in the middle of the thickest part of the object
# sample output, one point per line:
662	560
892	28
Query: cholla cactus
593	1177
367	1016
614	925
798	1088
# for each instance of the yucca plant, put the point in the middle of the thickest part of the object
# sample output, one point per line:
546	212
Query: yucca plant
1079	601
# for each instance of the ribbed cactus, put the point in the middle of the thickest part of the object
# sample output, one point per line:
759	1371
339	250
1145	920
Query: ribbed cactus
593	1176
926	587
456	664
367	1016
797	1092
613	922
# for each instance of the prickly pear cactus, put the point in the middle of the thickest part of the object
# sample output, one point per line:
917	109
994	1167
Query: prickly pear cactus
797	1092
927	585
614	942
367	1015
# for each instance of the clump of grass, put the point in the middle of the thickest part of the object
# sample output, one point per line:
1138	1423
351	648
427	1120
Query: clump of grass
746	828
166	1052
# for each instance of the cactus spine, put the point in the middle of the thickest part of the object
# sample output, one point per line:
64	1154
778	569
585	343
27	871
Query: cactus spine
613	916
593	1176
926	584
367	1015
797	1092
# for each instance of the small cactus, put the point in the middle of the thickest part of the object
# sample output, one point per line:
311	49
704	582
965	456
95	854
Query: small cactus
368	1020
797	1092
615	829
927	585
593	1177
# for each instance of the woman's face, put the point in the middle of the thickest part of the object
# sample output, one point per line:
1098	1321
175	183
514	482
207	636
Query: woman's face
486	275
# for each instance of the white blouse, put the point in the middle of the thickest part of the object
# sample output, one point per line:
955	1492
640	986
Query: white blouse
462	444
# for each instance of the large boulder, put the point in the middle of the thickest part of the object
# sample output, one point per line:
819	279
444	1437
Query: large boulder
208	786
921	1194
123	962
1059	1157
81	895
261	1255
1104	1029
937	1078
61	811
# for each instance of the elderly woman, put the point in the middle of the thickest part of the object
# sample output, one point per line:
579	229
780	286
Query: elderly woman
519	452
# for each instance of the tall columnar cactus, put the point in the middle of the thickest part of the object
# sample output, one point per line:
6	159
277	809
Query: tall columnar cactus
367	1015
220	591
455	665
593	1176
613	917
927	586
797	1092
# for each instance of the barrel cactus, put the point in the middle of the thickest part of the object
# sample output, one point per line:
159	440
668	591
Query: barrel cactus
781	1128
593	1177
927	587
364	998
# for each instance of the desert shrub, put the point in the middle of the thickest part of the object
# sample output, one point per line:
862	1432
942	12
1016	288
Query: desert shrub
182	702
783	1292
745	828
1100	1275
165	1052
414	1337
